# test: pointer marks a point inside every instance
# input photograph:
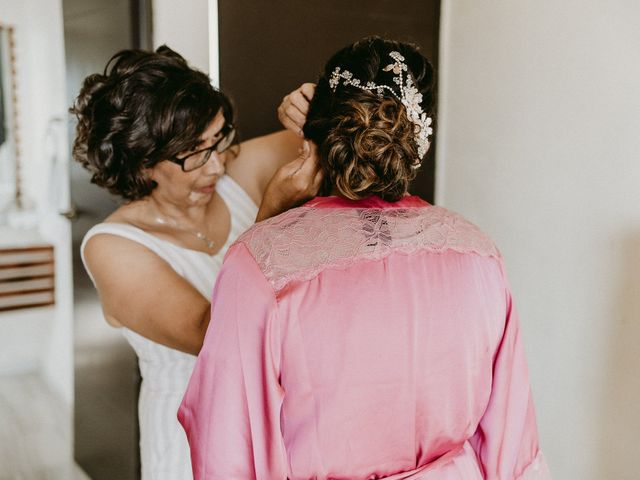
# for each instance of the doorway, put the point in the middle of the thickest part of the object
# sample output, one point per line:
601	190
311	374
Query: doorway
105	367
269	48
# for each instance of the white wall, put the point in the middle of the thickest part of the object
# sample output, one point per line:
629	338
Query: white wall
41	100
183	26
40	78
94	30
539	145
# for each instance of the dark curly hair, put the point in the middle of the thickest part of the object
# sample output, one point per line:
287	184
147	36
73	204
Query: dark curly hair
365	141
144	108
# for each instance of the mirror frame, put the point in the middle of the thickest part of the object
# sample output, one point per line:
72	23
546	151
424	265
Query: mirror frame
13	98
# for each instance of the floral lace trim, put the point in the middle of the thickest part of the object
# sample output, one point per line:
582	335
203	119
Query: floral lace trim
537	470
300	243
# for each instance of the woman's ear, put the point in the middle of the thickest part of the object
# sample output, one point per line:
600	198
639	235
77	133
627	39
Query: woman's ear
151	175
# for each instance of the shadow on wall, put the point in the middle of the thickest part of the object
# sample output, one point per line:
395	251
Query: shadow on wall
620	446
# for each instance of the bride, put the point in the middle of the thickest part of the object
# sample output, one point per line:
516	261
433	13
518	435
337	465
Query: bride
365	334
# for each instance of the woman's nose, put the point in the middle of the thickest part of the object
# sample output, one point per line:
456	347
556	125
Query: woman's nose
215	165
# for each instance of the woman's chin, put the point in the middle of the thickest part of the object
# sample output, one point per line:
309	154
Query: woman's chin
201	196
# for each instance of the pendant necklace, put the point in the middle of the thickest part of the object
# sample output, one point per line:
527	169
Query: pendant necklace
201	236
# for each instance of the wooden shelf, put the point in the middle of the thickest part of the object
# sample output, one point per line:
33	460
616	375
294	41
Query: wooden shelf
27	276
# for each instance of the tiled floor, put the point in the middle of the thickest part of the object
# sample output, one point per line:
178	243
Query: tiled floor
35	432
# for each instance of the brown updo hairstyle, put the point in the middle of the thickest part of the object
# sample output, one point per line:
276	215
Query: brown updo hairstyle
365	142
144	108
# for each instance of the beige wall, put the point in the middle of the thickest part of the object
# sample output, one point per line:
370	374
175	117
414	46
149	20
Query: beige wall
42	340
39	53
539	144
183	26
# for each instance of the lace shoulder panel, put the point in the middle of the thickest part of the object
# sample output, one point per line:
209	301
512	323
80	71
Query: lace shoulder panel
302	242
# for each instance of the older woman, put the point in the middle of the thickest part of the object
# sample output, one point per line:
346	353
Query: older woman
366	334
155	132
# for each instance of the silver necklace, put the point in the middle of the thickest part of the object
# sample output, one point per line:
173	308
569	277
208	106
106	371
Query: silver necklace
201	236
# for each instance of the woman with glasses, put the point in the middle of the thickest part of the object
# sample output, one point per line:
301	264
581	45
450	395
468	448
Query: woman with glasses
155	132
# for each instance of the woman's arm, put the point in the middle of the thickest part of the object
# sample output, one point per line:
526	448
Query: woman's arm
293	110
142	292
506	441
292	184
260	158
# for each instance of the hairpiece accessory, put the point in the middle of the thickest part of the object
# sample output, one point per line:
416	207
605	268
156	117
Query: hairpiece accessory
409	96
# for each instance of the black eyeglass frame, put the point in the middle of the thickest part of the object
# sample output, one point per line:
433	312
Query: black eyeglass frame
226	130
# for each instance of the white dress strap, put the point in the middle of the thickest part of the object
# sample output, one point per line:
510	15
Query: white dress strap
193	265
153	243
242	207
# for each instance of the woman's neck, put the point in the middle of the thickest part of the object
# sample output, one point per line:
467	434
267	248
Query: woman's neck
181	212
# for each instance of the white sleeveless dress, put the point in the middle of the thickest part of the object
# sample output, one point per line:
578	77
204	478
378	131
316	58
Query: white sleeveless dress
164	450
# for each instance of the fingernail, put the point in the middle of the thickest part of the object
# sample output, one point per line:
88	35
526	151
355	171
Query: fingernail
305	147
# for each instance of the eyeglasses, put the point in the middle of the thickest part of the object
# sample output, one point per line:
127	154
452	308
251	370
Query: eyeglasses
197	159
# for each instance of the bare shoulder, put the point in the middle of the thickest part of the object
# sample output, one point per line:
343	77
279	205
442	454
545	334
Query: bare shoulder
113	261
112	258
141	290
110	255
124	213
120	267
104	244
259	158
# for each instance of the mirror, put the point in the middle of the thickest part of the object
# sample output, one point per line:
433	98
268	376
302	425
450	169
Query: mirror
9	148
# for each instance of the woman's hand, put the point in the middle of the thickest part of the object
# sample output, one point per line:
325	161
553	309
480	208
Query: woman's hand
293	184
293	110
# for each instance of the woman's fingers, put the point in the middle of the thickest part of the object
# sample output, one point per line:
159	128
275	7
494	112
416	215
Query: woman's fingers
296	115
319	176
317	182
287	122
290	117
308	90
299	101
310	174
309	156
305	149
293	183
293	110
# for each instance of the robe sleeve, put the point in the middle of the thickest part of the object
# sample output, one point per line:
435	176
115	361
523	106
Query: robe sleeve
231	409
506	441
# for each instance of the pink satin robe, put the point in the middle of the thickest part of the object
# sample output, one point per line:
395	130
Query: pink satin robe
362	340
